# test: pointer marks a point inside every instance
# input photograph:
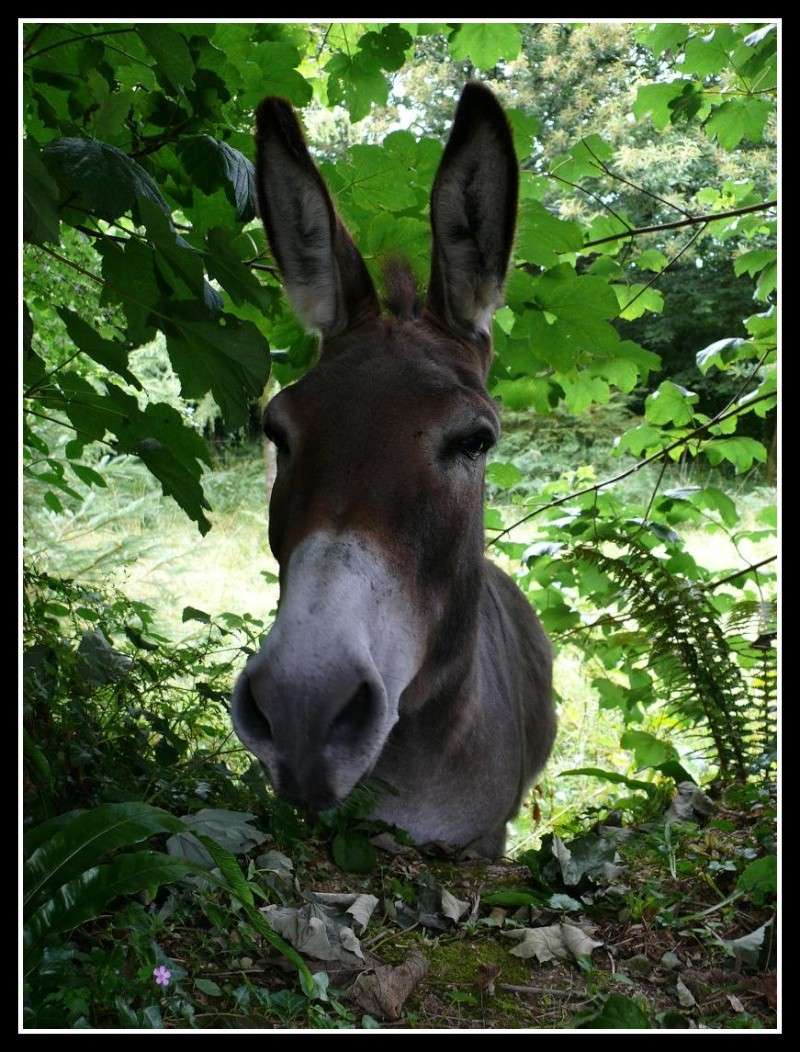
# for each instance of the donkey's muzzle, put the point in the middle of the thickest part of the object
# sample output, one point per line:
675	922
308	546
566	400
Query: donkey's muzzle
315	736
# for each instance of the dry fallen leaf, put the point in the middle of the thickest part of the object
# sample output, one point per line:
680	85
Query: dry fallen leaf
383	991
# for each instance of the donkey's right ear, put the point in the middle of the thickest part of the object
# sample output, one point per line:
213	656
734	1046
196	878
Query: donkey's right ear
326	279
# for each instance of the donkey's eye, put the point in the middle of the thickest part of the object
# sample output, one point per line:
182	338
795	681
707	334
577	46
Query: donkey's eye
476	444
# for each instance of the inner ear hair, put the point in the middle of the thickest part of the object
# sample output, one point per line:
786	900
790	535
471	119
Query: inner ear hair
325	277
473	215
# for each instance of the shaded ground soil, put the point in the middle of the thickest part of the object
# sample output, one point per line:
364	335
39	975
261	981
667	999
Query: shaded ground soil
678	900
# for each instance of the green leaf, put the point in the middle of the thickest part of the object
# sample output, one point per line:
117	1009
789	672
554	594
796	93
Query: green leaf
39	199
109	353
212	165
738	119
610	776
709	54
353	853
720	354
171	52
666	36
101	178
218	353
648	750
87	896
504	475
583	160
229	867
655	99
511	897
191	613
651	259
523	128
670	404
356	82
617	1013
739	451
485	44
634	300
225	266
208	987
86	838
759	881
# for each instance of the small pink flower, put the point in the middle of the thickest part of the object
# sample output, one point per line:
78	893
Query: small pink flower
162	975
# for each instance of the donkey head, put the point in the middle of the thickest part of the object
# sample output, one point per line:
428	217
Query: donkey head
376	514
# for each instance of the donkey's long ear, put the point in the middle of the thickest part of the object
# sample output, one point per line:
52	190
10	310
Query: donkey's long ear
473	213
325	277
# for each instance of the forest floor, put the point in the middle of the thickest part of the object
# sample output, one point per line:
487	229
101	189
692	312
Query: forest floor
666	924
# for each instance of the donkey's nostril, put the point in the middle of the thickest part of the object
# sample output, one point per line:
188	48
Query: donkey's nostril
354	716
248	714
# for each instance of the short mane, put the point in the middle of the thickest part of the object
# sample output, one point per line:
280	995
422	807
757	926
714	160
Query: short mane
401	295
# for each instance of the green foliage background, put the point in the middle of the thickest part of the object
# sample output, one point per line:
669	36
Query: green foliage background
636	364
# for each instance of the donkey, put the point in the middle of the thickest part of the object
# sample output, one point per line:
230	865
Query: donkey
399	651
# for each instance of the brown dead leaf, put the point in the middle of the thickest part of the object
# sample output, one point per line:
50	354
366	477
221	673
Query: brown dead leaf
487	973
383	992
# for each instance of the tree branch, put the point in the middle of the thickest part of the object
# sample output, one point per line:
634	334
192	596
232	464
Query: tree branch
712	217
80	36
634	468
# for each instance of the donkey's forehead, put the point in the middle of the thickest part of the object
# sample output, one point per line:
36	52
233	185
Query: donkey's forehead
391	362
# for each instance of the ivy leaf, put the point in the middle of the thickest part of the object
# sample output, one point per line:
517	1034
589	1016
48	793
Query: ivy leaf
485	43
39	199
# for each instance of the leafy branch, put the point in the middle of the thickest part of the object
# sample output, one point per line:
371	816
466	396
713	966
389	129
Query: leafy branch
684	440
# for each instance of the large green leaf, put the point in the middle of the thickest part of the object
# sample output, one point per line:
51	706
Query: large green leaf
486	43
101	178
218	353
86	896
213	165
173	59
39	198
79	844
109	353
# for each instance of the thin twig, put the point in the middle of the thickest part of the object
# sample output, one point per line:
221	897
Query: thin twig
655	278
79	36
740	573
641	189
710	218
636	467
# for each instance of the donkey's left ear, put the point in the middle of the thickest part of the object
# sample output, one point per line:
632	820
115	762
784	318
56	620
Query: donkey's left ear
323	272
473	214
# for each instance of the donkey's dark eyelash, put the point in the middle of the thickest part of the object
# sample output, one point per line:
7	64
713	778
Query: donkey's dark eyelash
473	444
